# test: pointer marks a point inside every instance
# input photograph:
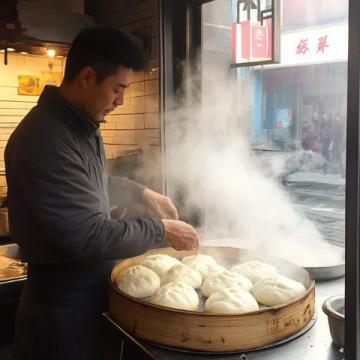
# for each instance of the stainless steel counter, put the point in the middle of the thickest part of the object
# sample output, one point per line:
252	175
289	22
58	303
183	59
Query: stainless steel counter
315	344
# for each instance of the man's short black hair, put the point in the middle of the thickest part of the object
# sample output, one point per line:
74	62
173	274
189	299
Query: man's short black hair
104	49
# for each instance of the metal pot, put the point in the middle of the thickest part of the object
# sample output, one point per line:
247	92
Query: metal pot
329	272
334	308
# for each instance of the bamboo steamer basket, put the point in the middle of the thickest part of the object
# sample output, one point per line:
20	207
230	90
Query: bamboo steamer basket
202	331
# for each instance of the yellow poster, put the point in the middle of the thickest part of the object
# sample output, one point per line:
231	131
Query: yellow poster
34	85
29	85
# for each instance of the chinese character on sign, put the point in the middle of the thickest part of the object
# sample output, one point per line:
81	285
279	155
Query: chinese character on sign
302	47
322	44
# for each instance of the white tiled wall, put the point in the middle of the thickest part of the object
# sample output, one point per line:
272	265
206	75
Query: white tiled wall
13	107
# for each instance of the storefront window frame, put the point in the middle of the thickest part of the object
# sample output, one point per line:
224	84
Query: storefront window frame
352	200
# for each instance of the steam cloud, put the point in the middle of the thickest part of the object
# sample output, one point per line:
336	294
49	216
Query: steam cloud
208	158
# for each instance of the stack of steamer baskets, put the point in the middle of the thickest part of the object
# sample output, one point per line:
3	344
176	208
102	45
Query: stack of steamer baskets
202	331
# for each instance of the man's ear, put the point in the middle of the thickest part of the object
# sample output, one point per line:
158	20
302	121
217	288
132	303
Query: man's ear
87	77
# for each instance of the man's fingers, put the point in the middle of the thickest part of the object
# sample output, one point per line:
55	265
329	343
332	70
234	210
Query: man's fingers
171	210
197	242
180	235
192	239
174	211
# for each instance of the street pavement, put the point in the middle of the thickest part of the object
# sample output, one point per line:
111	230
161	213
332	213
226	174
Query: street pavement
322	199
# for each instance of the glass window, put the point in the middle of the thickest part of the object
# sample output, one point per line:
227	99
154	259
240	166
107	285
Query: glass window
294	111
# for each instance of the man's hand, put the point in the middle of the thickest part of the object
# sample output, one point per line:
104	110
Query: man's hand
180	235
159	205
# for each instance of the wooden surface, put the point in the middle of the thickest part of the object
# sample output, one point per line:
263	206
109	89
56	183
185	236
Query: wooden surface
213	332
11	251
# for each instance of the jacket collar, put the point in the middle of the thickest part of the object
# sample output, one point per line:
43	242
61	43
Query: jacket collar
73	116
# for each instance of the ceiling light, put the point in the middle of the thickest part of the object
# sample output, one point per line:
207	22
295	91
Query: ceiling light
8	49
24	53
51	52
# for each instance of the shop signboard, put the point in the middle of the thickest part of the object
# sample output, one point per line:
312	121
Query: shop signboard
315	45
255	34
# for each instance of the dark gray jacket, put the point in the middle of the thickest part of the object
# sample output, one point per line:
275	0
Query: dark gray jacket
58	190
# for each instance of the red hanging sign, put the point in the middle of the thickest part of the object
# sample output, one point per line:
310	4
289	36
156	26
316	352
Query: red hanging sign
253	37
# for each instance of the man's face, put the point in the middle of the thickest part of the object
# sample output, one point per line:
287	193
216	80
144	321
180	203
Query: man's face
103	98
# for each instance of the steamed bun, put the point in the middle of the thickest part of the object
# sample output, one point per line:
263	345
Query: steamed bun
231	301
223	281
204	264
184	274
255	270
277	290
160	263
176	295
138	281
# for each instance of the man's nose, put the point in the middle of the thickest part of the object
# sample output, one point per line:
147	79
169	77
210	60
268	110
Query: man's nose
119	100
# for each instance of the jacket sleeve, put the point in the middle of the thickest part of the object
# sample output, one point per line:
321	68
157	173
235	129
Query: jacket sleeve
57	189
124	192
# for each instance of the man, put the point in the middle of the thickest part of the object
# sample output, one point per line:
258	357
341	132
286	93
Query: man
59	205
